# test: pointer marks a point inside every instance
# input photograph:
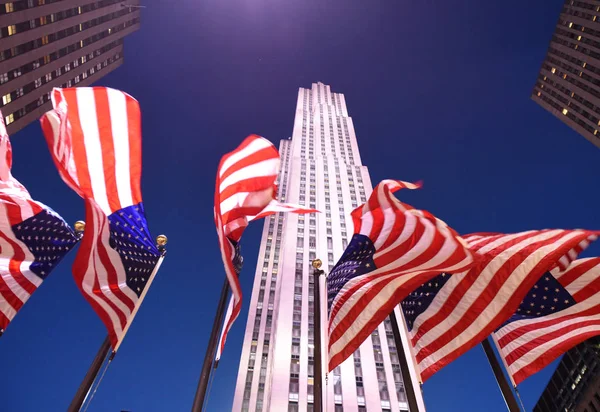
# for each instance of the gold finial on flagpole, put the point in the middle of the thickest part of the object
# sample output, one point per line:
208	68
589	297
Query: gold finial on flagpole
317	263
79	226
161	240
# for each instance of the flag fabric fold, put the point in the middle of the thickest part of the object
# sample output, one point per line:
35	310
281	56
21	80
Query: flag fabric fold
559	312
450	314
394	249
33	238
245	191
94	136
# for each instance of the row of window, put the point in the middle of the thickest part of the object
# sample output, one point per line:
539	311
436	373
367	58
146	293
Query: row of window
23	5
571	95
275	220
48	77
53	17
567	98
42	61
566	112
71	82
50	38
342	132
572	11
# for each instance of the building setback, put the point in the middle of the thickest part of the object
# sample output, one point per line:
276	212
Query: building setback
57	43
568	84
320	168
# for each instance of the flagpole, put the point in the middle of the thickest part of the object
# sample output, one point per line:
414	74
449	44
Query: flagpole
507	393
318	373
409	385
211	349
84	388
213	340
90	377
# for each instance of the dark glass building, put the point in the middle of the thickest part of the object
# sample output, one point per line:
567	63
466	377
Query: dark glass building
57	43
568	84
575	385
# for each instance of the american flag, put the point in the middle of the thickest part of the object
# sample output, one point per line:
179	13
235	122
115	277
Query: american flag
33	238
560	311
450	314
245	191
94	136
394	249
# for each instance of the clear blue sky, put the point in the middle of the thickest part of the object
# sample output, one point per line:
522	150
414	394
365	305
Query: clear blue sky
439	91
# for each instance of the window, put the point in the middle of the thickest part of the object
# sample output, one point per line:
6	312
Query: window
6	99
10	118
12	30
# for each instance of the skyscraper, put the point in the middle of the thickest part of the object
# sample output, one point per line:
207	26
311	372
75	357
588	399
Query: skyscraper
575	385
320	168
568	85
52	43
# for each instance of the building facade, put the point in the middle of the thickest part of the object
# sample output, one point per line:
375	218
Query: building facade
57	43
568	85
575	385
320	168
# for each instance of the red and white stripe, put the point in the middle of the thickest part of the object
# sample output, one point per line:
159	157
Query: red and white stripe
472	304
17	282
94	136
411	245
222	336
529	345
100	275
245	191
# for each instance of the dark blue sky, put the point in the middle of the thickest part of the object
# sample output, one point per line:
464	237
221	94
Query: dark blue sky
439	91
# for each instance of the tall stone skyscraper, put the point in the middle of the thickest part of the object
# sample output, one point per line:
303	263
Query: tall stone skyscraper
568	85
51	43
320	168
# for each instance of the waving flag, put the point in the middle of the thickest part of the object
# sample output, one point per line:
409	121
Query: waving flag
245	191
94	136
450	314
395	248
560	311
33	238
